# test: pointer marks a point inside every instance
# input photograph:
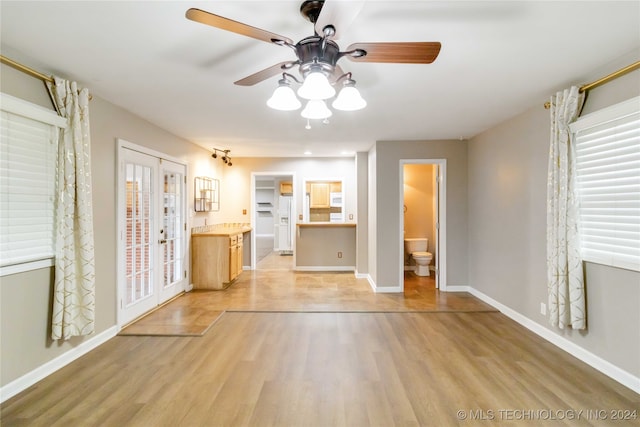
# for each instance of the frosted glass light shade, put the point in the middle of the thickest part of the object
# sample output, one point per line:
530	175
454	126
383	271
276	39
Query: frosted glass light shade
316	86
316	109
349	99
284	99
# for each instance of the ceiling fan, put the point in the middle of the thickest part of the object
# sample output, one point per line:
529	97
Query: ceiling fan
319	54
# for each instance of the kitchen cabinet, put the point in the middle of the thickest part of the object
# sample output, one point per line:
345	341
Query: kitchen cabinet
286	188
319	195
216	259
235	257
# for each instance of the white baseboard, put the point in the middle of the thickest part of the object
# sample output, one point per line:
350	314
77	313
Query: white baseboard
458	288
325	268
371	282
30	378
383	289
388	289
620	375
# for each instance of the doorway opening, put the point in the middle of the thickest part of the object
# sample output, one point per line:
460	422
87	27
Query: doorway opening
422	223
273	220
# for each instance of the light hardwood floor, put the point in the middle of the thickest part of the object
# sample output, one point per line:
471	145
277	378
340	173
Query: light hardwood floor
298	349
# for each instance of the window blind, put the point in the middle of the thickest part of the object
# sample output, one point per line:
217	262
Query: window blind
28	149
608	185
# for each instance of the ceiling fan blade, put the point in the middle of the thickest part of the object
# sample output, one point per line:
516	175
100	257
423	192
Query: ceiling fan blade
400	53
340	14
227	24
274	70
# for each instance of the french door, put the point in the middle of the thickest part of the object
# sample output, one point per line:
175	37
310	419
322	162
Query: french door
152	227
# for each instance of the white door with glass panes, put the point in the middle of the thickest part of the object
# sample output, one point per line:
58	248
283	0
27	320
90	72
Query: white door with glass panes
152	228
172	232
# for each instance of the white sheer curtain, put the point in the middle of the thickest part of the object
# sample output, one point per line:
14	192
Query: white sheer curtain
74	286
565	280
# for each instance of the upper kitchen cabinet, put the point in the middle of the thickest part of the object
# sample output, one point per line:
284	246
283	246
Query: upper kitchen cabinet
286	188
319	195
323	201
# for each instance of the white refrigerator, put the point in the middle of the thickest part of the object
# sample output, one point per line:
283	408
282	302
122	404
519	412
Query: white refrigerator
283	225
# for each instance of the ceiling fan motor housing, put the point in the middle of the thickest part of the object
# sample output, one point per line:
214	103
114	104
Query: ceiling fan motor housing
310	9
312	55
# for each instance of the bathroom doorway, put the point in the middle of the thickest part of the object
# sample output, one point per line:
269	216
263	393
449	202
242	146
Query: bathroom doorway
422	216
273	221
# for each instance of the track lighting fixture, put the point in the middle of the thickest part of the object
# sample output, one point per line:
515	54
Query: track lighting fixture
225	155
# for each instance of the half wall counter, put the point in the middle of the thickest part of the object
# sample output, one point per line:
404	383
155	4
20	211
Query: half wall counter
325	246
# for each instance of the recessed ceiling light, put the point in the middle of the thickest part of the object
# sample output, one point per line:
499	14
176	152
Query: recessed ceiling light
308	153
348	153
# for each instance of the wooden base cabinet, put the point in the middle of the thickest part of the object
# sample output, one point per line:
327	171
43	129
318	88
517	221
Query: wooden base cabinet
216	260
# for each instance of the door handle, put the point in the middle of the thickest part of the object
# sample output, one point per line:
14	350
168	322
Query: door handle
162	241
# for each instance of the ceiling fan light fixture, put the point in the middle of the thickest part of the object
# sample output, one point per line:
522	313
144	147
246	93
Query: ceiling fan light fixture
317	59
284	98
316	109
349	98
316	86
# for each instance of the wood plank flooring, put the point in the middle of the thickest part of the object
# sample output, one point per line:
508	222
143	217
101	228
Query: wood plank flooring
282	290
274	287
392	365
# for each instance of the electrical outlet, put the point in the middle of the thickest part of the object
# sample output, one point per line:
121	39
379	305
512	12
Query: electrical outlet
339	254
350	217
244	211
543	308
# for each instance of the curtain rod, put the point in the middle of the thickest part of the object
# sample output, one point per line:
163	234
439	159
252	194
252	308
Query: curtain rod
25	69
30	71
605	79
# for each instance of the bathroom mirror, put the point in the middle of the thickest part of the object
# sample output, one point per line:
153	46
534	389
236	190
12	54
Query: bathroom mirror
324	201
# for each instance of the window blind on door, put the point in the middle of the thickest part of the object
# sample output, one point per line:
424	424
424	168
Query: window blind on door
608	184
28	149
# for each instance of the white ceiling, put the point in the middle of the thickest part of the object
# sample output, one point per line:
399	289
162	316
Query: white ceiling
497	60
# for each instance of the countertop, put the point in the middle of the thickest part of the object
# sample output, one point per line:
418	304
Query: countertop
224	231
326	224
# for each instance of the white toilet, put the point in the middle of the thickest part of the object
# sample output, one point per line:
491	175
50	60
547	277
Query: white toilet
417	247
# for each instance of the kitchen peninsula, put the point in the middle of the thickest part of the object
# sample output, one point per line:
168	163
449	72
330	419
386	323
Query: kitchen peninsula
326	246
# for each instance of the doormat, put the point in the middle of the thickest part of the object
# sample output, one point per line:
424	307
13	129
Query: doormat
179	318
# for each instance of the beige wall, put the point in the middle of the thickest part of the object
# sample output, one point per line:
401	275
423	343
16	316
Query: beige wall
507	229
385	207
236	193
372	215
236	185
25	299
362	231
318	247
